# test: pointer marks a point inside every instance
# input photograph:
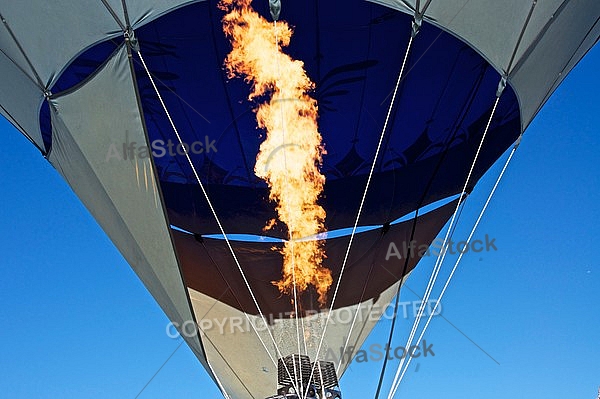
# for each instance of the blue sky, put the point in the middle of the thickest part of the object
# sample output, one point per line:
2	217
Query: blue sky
77	323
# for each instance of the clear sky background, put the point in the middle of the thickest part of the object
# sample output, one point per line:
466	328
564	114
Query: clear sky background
77	323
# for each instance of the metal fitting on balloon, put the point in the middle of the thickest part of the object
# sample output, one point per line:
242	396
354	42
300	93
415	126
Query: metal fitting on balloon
131	40
501	86
518	142
275	9
416	24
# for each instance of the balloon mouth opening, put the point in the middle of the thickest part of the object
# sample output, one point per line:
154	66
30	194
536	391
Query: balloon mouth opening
337	233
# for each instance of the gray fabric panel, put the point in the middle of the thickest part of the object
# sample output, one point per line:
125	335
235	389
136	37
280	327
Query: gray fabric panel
120	194
241	362
362	331
544	66
233	348
54	32
493	27
142	12
20	99
542	15
586	45
11	51
245	378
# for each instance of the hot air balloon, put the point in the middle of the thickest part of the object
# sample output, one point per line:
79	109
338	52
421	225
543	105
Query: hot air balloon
133	105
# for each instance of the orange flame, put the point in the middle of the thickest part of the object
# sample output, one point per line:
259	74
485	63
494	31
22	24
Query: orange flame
291	154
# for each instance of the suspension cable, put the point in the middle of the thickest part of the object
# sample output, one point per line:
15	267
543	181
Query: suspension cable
489	198
381	376
364	196
360	302
218	381
501	86
395	315
218	221
449	232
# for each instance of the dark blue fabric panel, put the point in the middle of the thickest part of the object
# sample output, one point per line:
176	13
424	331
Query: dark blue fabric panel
353	51
208	267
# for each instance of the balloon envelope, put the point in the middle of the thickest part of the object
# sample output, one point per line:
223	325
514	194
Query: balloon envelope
76	90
